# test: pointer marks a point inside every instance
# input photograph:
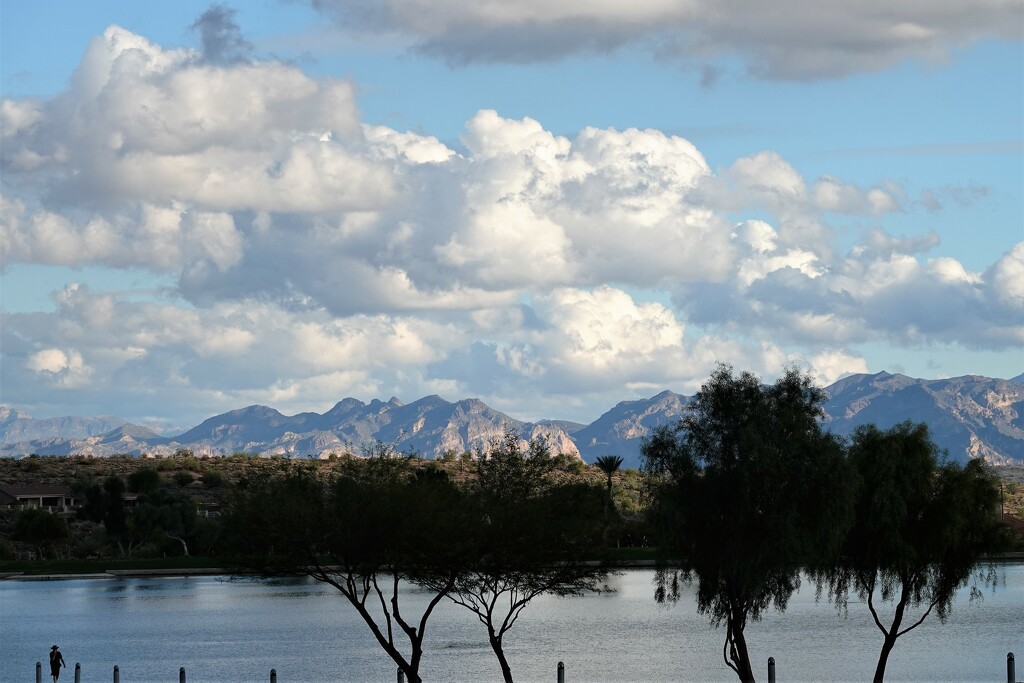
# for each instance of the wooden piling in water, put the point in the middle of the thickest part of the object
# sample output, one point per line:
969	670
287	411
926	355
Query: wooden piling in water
1011	674
78	673
117	674
771	670
181	675
401	676
39	672
561	672
273	676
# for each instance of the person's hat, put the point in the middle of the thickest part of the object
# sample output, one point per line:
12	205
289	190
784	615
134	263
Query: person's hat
54	647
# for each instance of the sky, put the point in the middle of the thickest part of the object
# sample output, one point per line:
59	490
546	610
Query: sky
551	206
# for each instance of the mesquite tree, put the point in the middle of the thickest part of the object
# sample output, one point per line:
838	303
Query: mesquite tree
366	533
527	536
748	490
921	527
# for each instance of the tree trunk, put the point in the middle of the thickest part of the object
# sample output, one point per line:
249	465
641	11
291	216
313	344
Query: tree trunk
891	636
883	658
179	539
506	670
740	656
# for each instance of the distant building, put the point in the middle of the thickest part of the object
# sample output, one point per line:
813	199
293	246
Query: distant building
50	497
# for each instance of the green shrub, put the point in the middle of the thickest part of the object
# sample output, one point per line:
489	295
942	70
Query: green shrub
183	478
214	479
144	480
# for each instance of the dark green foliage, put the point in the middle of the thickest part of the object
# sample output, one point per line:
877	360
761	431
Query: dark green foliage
144	480
363	532
921	528
111	507
156	517
506	472
161	516
183	478
609	464
43	530
213	479
747	491
526	537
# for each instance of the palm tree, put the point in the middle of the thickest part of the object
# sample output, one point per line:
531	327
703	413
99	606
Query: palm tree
609	464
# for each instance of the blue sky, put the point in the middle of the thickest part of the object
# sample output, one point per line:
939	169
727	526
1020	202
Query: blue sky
551	206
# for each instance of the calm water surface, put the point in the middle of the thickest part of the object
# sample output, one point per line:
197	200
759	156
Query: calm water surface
223	631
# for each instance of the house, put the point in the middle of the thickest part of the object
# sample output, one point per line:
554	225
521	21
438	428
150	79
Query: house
52	497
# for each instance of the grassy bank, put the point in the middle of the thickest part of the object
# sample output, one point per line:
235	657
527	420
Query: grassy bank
59	567
54	567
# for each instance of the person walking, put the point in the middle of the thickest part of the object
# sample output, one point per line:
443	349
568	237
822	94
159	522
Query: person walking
56	662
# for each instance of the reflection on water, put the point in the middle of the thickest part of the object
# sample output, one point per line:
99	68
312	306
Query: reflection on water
237	630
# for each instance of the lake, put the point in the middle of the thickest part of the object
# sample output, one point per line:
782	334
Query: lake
222	631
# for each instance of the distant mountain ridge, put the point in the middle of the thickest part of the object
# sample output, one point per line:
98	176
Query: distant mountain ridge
17	426
430	426
970	417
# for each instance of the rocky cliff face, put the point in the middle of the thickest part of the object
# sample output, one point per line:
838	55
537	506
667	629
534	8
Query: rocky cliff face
621	430
970	417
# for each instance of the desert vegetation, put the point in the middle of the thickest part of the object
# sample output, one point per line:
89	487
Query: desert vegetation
745	497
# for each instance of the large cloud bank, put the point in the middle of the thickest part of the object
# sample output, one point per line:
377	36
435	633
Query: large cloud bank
316	256
784	39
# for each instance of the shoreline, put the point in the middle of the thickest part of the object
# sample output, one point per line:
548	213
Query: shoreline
122	573
1009	557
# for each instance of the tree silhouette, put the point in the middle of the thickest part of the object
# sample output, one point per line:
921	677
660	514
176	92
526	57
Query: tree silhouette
921	527
526	537
609	464
364	533
748	490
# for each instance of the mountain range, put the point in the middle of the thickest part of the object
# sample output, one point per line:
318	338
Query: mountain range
970	417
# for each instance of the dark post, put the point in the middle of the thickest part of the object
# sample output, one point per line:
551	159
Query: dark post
1011	675
401	676
117	674
181	675
39	672
273	676
561	672
771	670
78	673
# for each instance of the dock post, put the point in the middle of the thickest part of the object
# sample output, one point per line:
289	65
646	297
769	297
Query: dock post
181	675
401	676
1011	675
273	676
771	670
78	673
561	672
117	674
39	672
